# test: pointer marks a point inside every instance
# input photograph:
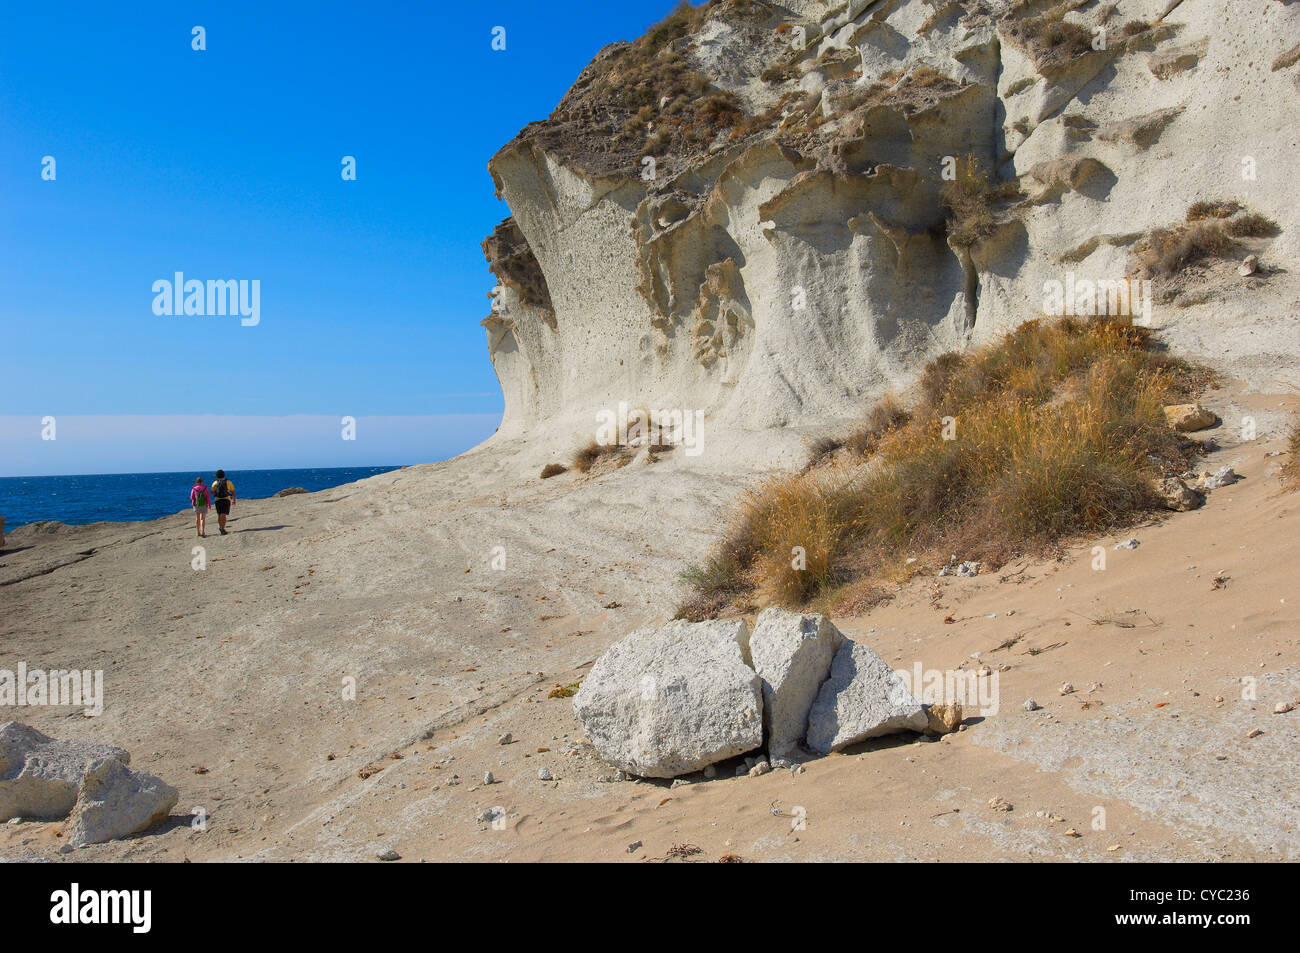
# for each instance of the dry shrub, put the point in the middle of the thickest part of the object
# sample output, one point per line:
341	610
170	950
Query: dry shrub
1224	208
1252	225
1167	251
1211	230
1059	431
650	72
586	458
885	416
1049	39
968	200
553	469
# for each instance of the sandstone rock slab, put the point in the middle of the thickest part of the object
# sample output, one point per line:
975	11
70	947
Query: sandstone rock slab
672	700
863	698
792	654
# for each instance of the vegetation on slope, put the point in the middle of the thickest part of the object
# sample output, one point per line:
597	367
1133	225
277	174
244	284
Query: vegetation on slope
1054	431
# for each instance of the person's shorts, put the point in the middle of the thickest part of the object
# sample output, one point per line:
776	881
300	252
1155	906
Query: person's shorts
223	507
200	510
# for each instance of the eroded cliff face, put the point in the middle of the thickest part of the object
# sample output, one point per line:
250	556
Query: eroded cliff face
750	210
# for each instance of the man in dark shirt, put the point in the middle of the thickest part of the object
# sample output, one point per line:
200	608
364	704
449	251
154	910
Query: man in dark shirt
223	494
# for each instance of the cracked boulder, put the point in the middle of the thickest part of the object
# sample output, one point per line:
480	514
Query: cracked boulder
863	698
672	700
792	654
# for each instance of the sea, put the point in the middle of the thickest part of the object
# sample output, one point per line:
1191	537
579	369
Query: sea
119	497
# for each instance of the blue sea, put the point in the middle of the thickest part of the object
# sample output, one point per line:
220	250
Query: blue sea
119	497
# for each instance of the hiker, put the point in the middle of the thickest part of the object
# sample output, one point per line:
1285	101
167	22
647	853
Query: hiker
199	499
223	492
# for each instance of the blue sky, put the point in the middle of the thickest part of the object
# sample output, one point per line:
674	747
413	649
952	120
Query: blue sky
225	164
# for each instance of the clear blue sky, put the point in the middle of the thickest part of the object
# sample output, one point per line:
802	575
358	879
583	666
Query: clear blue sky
225	164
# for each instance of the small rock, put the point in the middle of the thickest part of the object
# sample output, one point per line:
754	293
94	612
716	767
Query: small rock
544	774
797	769
633	847
760	769
998	804
491	814
1281	708
1189	417
488	778
942	719
1255	733
1224	476
1249	266
1066	689
677	783
710	771
1178	496
388	854
506	738
1128	544
1031	705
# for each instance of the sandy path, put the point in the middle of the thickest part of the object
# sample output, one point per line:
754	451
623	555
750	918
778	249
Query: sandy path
228	682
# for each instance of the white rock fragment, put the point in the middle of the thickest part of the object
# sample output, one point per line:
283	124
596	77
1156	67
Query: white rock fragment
863	698
792	655
669	701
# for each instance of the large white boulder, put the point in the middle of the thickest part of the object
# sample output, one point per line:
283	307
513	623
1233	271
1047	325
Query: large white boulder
117	802
863	698
39	776
792	654
672	700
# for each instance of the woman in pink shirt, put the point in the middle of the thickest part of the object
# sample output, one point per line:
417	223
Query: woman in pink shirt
200	500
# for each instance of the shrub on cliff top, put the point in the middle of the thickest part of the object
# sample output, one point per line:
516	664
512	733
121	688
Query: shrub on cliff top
1055	430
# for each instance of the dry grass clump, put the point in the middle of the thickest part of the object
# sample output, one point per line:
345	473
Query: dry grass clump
969	200
1210	231
885	416
1252	225
553	469
1054	431
1050	39
652	84
1223	208
1167	251
593	453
